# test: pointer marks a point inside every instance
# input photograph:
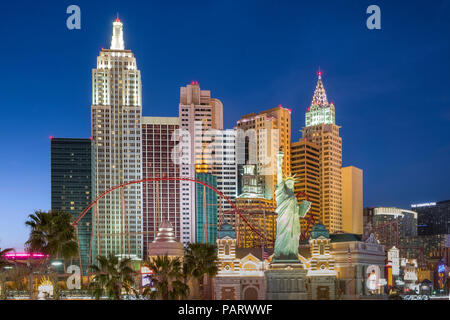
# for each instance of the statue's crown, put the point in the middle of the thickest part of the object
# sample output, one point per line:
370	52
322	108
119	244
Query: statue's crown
291	178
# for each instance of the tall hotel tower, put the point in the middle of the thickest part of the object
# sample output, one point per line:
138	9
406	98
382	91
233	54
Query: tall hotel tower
116	133
198	113
322	131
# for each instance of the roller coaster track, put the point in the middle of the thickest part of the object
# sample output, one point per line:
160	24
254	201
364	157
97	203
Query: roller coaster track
241	213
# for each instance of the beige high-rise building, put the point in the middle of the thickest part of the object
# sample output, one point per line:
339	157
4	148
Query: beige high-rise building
200	115
352	200
305	165
321	130
263	134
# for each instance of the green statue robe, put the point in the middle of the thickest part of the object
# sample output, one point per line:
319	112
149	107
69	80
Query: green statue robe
288	223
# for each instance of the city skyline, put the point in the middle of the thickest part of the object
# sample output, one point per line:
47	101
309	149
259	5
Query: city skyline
232	112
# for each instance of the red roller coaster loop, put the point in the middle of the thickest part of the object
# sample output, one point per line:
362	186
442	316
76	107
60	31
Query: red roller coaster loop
235	209
233	205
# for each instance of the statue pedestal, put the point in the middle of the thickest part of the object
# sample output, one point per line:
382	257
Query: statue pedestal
286	280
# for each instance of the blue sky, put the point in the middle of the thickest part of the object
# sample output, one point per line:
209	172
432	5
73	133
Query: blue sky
390	86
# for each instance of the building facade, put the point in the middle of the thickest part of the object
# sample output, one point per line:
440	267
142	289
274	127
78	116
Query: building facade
161	199
116	132
71	186
224	167
352	200
321	274
260	214
305	165
258	211
321	130
355	260
206	209
433	218
241	271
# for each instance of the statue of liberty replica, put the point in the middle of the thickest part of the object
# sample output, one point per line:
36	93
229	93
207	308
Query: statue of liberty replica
286	277
289	213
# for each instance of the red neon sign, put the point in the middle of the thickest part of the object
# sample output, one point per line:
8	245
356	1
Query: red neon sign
25	255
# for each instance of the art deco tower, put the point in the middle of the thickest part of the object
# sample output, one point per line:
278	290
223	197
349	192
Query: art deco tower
116	133
321	130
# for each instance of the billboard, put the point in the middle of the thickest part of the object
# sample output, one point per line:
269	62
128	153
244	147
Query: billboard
146	272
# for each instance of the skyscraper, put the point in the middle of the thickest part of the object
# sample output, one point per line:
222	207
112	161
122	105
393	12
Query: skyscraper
199	116
305	165
71	186
225	169
116	132
161	199
433	218
352	200
260	137
321	130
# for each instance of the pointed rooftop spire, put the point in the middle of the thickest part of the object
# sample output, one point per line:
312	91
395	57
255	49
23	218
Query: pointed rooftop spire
117	42
320	96
165	232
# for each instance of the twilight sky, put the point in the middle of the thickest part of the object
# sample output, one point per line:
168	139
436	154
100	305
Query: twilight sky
391	87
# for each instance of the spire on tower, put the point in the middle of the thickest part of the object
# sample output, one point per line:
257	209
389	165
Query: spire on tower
117	42
320	96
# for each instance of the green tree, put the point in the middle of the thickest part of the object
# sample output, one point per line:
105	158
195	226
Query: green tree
52	233
201	261
167	279
111	277
3	261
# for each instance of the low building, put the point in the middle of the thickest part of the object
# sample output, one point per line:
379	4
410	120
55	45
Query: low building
321	274
241	271
354	262
338	266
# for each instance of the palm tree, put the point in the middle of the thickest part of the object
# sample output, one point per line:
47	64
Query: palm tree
201	261
52	233
111	276
167	278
